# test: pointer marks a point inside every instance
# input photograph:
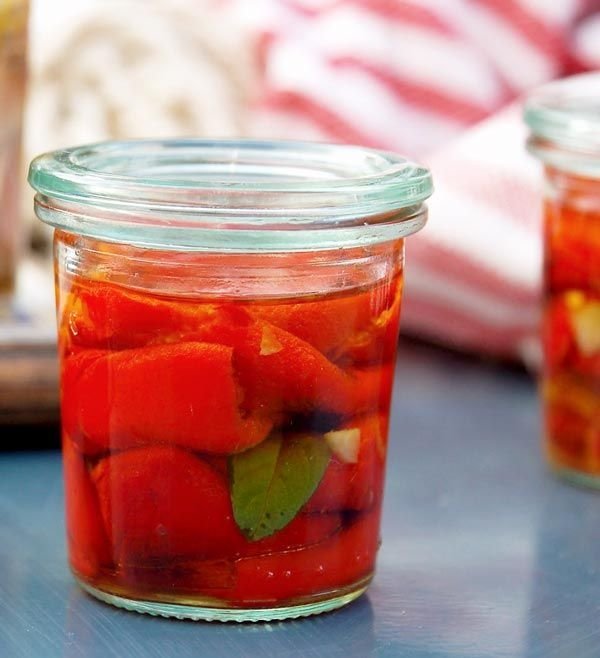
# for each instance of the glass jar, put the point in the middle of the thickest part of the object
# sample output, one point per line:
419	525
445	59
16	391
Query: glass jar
228	318
13	45
564	118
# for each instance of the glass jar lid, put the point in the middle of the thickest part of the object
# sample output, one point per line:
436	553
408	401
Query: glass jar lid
238	195
564	118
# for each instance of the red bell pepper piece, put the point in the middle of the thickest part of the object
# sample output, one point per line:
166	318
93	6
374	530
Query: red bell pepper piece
355	486
574	437
304	530
572	248
566	425
281	372
192	579
354	329
199	578
182	394
165	503
574	264
558	337
372	389
87	540
105	316
342	560
379	342
587	366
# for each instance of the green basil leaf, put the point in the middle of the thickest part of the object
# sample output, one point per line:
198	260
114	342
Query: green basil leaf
272	481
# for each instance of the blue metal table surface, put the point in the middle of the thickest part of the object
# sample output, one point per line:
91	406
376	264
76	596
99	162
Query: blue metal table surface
484	553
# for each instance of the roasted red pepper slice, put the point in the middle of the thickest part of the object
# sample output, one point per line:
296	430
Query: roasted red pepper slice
165	503
357	329
359	485
88	543
281	372
304	530
102	315
376	344
572	415
557	334
574	264
573	245
575	438
587	366
183	394
372	389
192	579
340	561
201	577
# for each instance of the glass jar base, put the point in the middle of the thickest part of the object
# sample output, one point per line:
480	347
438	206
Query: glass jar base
577	478
205	613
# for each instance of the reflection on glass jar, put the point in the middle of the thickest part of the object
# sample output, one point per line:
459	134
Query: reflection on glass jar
564	118
13	42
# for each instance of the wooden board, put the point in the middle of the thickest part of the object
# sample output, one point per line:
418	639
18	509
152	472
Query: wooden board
28	384
28	361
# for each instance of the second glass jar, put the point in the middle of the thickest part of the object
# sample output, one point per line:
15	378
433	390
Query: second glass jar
564	118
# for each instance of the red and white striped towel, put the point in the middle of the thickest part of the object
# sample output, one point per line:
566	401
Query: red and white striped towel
422	77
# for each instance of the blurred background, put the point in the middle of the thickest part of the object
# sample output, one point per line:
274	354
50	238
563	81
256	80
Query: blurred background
441	82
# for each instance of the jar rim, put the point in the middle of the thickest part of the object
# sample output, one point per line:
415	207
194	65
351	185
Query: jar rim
564	119
233	194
